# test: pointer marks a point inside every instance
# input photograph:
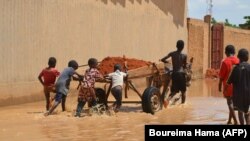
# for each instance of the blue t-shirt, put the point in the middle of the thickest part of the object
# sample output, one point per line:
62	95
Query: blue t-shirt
63	82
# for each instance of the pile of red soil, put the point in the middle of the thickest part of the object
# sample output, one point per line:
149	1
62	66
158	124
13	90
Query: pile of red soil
107	64
212	73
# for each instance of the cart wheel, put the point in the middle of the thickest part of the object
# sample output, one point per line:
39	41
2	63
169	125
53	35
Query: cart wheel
151	100
100	96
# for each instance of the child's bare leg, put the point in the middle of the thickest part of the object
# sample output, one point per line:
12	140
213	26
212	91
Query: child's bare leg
247	118
63	102
183	97
231	111
171	95
47	97
241	119
79	107
52	108
229	117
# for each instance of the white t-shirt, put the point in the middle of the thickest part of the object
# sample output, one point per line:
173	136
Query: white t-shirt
117	78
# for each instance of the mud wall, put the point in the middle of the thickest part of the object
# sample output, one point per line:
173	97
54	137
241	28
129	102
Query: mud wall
198	45
240	38
32	31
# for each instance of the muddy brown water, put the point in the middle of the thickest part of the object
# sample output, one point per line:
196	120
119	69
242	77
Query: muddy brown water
205	105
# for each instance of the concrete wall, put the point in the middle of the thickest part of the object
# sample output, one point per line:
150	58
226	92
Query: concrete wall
33	30
240	38
198	45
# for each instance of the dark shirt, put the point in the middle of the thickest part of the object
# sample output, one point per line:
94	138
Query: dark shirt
240	78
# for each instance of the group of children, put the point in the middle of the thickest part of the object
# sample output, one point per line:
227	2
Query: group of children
86	94
235	76
87	91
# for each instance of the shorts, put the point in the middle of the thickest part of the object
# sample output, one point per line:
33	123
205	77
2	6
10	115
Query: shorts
86	94
178	82
48	89
59	96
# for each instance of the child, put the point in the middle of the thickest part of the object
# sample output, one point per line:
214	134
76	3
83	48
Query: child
87	91
225	70
62	85
117	78
47	78
179	61
240	78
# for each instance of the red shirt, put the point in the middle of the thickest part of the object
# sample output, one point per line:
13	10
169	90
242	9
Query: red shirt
49	76
225	70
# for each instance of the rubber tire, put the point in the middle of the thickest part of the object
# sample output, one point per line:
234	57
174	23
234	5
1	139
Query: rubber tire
147	105
100	96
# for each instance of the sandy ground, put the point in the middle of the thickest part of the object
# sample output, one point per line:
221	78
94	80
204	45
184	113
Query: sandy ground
205	105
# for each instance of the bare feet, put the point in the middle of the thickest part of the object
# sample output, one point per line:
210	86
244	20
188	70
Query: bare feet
229	123
46	114
165	103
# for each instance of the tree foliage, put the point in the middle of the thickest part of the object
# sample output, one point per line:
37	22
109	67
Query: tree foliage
247	18
227	23
246	25
213	21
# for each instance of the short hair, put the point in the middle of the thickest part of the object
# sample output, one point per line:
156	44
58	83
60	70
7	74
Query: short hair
92	62
230	49
52	62
117	67
243	55
180	45
73	64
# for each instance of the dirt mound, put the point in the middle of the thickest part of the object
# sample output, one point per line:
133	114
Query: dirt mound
107	64
212	73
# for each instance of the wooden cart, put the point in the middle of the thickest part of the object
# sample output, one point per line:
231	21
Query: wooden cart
158	79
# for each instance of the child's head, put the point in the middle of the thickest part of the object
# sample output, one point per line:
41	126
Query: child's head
180	45
73	64
92	62
243	55
229	50
117	67
52	62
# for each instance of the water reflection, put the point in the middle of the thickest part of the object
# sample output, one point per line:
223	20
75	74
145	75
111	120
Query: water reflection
205	105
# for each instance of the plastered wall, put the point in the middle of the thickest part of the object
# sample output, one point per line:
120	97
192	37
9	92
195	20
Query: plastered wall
31	31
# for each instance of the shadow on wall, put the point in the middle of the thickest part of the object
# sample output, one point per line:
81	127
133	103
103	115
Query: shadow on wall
175	7
121	2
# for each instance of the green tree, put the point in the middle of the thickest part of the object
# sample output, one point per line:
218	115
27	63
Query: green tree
227	23
213	21
247	18
246	25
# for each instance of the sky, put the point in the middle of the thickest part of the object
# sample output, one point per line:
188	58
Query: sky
233	10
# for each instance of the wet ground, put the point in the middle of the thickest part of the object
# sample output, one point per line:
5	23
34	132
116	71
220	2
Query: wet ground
205	105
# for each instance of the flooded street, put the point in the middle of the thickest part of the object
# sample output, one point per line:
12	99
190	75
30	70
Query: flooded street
204	105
